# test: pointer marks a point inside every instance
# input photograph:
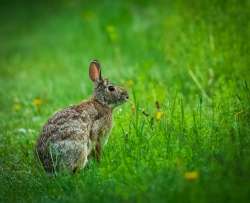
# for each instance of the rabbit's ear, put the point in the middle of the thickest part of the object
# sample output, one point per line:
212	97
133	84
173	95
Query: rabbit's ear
95	71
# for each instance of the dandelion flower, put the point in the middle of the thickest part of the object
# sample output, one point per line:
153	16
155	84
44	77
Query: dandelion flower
191	175
37	102
130	83
159	115
133	109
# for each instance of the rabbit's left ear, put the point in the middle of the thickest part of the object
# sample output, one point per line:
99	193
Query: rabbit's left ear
95	71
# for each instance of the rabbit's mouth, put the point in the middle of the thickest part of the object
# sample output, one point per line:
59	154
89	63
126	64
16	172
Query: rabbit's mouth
124	97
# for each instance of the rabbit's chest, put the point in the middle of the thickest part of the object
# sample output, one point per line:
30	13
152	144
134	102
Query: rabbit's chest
104	129
101	128
104	134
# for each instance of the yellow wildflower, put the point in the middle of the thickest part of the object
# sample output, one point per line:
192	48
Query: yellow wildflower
191	175
130	83
133	108
158	115
37	102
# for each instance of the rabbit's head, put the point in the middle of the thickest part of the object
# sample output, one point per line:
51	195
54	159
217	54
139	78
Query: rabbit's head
105	92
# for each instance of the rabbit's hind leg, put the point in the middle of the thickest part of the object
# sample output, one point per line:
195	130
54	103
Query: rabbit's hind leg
69	154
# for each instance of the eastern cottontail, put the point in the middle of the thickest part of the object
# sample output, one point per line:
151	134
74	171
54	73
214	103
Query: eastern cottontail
71	135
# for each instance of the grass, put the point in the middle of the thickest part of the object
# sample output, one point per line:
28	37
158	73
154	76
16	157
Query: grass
185	134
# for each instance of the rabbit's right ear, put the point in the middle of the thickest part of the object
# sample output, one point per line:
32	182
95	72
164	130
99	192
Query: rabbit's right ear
95	71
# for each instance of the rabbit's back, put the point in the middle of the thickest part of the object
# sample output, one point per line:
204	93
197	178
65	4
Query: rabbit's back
69	136
64	138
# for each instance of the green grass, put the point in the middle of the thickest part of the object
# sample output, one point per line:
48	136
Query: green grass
190	57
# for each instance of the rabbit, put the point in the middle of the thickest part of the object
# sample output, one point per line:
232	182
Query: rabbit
75	134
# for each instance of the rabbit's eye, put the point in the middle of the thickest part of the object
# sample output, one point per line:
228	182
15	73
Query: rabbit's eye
111	88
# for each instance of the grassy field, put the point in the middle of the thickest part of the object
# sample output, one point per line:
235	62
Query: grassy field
185	134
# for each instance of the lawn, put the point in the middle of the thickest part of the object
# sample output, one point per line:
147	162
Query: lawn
184	136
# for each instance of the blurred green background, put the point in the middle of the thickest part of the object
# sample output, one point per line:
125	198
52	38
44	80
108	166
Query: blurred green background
183	137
